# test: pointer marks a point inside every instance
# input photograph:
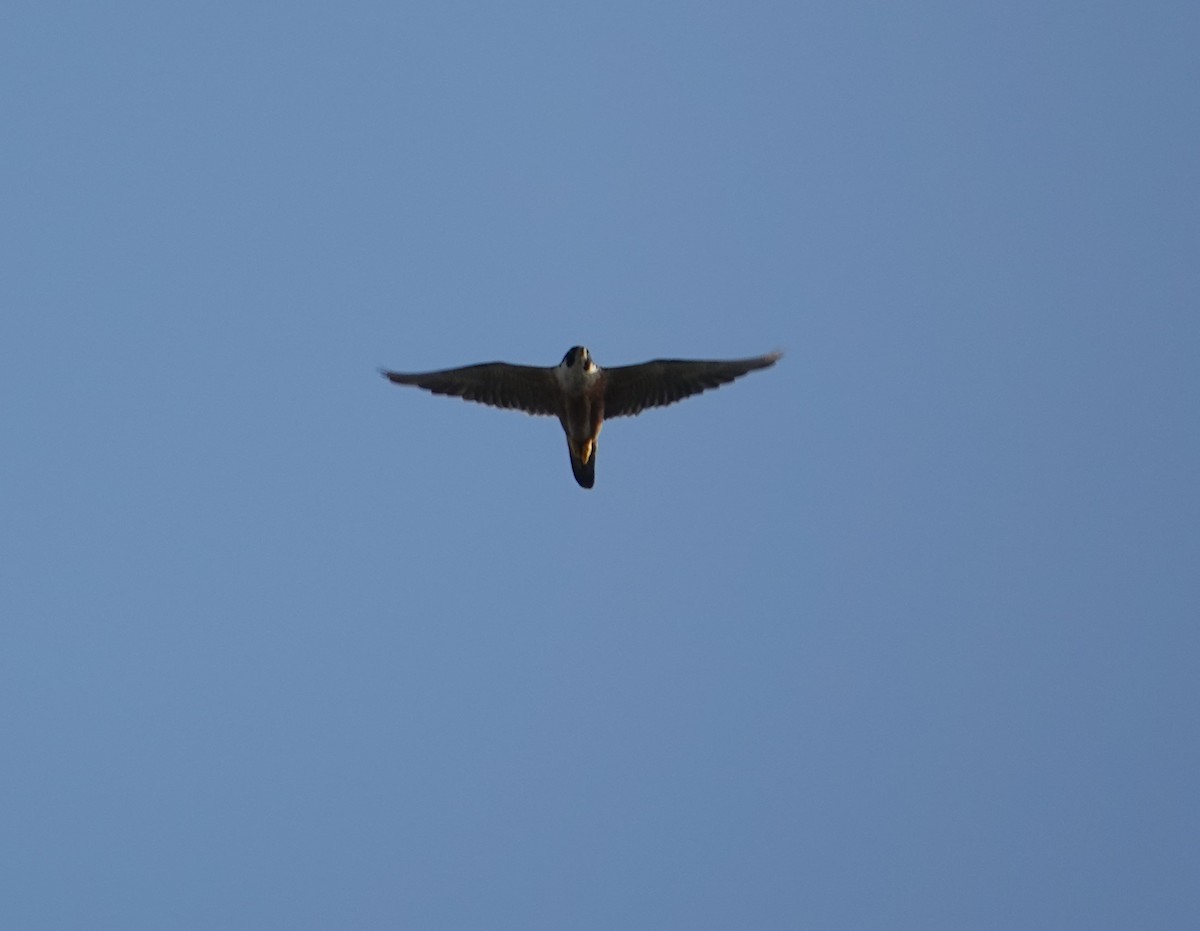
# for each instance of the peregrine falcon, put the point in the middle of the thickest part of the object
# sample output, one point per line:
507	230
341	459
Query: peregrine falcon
580	393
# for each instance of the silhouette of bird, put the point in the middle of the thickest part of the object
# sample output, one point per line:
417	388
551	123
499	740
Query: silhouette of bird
581	394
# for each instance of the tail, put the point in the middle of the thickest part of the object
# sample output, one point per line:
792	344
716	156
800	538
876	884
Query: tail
585	473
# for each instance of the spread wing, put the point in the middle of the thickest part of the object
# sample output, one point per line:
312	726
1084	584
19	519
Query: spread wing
630	389
523	387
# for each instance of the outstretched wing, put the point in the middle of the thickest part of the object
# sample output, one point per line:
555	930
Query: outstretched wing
630	389
522	387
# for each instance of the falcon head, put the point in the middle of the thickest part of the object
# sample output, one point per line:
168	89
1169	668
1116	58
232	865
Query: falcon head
578	357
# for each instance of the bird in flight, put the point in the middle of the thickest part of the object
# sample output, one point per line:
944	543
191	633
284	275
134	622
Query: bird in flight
581	394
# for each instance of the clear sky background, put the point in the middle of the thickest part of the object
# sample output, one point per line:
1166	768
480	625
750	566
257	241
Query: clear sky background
901	633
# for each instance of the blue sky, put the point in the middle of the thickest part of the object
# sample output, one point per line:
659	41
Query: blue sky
900	633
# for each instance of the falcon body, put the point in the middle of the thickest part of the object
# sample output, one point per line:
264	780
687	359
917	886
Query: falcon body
581	394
